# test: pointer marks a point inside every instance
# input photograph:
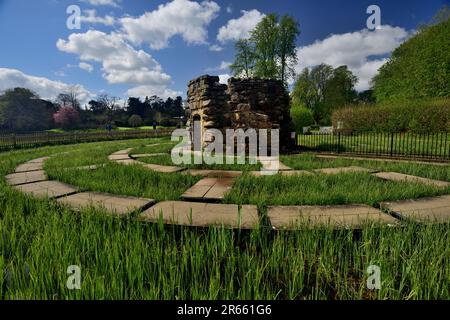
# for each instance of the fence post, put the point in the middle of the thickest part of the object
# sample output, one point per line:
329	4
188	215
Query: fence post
14	140
392	143
339	142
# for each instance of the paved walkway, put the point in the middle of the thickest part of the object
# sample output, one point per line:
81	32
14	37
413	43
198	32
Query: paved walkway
115	204
343	170
209	189
344	216
51	189
395	176
435	209
201	214
26	177
31	179
323	156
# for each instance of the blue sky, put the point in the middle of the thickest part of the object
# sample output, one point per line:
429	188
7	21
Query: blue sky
139	48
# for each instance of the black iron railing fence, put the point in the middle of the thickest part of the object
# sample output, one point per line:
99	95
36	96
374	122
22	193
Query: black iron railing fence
33	139
431	146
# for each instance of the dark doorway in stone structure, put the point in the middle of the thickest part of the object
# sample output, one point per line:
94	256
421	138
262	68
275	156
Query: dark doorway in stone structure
197	132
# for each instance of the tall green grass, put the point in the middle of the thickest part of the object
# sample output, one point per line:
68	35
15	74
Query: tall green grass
125	259
324	189
308	161
121	258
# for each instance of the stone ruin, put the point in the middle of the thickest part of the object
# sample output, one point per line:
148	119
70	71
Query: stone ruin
242	104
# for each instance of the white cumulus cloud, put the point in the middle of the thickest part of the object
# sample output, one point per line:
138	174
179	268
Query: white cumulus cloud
86	66
224	65
112	3
121	62
188	19
150	90
215	48
90	16
240	28
45	88
362	51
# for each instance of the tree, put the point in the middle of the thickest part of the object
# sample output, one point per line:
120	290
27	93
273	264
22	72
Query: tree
97	107
265	37
136	106
340	89
69	98
288	31
66	117
109	103
244	60
366	97
419	67
323	89
135	121
301	117
271	50
22	110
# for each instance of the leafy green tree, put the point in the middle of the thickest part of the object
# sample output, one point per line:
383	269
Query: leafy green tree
340	88
244	60
265	37
271	50
288	31
301	117
420	67
323	89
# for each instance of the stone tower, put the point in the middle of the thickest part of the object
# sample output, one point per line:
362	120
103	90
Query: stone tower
242	104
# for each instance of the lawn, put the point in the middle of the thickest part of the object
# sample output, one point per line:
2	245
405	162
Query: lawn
401	144
126	259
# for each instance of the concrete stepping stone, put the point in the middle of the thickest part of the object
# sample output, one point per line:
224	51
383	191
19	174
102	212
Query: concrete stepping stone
26	177
158	144
30	166
214	173
115	204
128	162
343	170
39	160
114	157
432	209
209	189
122	152
395	176
342	216
161	168
120	155
432	163
51	189
283	173
147	155
201	214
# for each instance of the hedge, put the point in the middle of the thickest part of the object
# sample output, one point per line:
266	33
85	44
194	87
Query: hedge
419	116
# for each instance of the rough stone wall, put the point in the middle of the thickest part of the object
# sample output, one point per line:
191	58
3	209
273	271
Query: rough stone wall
207	98
244	103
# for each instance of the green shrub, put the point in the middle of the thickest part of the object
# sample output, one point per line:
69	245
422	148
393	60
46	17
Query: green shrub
301	117
416	116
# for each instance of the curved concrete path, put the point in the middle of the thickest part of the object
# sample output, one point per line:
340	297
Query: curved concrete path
30	178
